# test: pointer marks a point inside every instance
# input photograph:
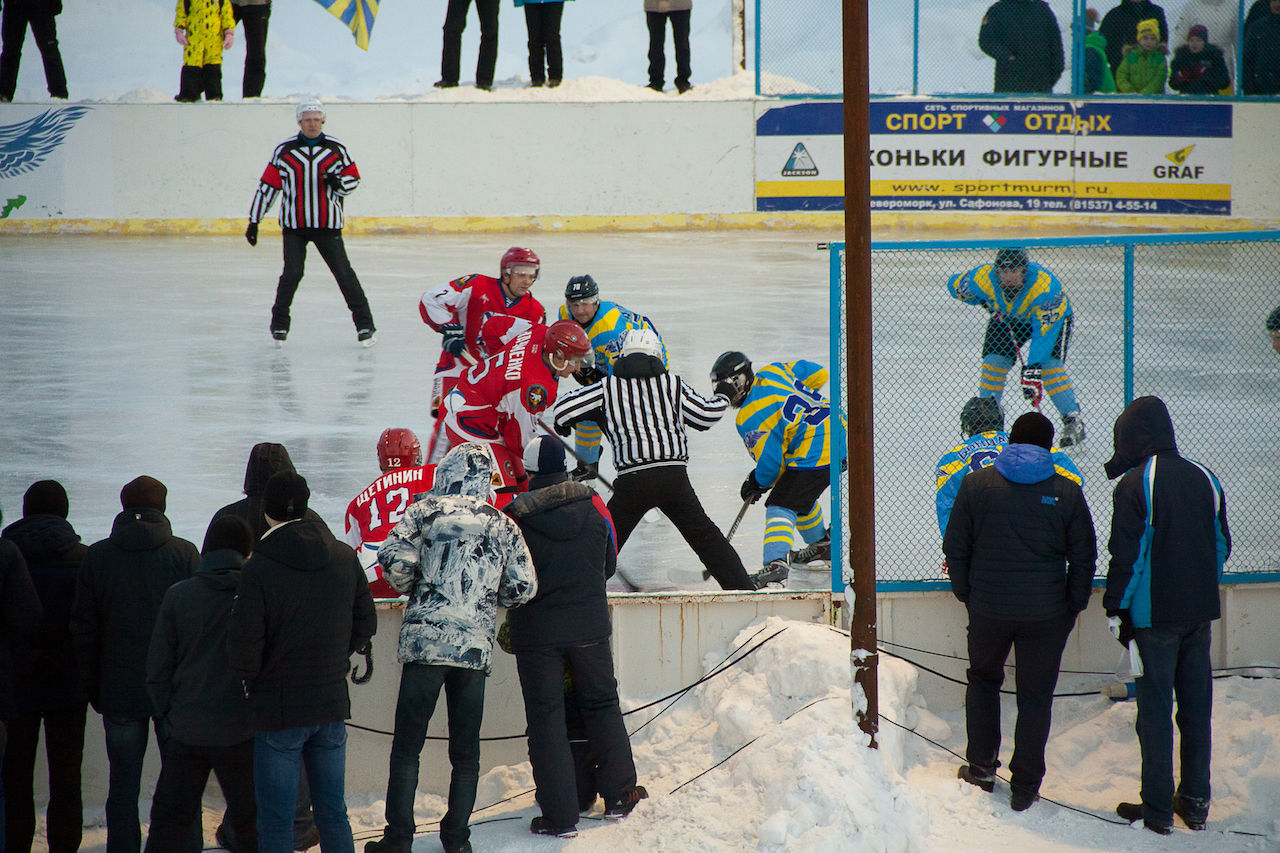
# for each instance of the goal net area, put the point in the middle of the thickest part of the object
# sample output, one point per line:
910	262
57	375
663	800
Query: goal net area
1181	317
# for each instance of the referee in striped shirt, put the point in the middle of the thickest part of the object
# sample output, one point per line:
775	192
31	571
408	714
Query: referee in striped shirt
643	411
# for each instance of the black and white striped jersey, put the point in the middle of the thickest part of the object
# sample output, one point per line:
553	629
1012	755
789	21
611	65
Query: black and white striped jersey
297	170
644	417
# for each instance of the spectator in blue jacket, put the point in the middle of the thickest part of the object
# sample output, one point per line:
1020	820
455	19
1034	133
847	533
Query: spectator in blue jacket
1169	540
546	59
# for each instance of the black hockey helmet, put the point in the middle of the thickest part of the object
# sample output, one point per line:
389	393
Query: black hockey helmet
581	287
1011	258
980	414
1273	320
734	368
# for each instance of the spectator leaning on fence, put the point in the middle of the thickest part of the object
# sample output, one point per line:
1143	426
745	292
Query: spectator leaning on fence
1022	36
1260	74
1220	17
1198	68
1144	69
1120	26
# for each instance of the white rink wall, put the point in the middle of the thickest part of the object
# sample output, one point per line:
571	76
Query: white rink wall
475	166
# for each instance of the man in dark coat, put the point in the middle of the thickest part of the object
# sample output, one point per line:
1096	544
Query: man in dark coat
1022	36
303	607
119	588
194	691
566	628
1260	69
1169	540
46	681
1013	527
1120	27
15	18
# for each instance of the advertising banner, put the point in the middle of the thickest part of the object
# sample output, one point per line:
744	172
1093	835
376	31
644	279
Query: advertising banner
1025	156
55	162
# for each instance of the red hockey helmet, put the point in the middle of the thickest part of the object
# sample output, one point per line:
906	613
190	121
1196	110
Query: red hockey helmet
566	341
516	256
398	447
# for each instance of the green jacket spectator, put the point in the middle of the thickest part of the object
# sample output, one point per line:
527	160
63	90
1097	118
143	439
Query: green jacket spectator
1097	71
1144	68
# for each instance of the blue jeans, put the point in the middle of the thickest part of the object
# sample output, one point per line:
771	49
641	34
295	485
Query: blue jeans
277	759
464	698
126	739
1175	662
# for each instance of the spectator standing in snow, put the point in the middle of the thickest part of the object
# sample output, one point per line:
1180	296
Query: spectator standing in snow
15	18
656	15
546	58
1013	527
255	15
204	28
455	21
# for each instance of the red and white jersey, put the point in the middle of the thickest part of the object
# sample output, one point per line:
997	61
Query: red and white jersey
498	400
373	512
498	332
470	301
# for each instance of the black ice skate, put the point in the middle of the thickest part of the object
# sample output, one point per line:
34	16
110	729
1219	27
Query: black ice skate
774	574
818	552
1072	435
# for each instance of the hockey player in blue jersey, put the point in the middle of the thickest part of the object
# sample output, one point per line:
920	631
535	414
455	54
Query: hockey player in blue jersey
606	324
783	419
1026	303
982	428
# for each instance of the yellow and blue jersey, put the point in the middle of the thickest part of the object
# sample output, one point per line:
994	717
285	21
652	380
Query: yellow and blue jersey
784	419
607	329
980	451
1041	301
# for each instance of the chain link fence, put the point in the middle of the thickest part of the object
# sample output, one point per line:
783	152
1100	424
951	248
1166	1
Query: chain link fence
1180	317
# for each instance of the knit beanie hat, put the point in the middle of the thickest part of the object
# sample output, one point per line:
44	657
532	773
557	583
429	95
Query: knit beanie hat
1199	31
145	492
45	497
1149	27
285	496
1032	428
544	462
230	531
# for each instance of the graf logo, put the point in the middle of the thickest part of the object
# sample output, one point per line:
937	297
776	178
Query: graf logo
994	122
26	144
1180	156
799	164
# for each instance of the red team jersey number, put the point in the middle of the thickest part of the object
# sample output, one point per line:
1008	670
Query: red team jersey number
373	512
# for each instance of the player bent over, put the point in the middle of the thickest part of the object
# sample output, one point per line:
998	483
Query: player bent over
498	401
783	419
1026	303
457	311
606	324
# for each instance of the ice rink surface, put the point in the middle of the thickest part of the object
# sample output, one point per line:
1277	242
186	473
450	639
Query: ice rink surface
126	355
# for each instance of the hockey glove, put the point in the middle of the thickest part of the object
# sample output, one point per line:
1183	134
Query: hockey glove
251	233
562	430
1121	625
751	490
725	388
454	341
1032	385
588	375
333	182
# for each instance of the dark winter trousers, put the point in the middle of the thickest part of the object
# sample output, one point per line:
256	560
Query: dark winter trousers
1175	663
184	773
455	21
543	22
667	487
657	23
1038	646
197	80
14	21
64	752
596	699
420	686
255	19
328	242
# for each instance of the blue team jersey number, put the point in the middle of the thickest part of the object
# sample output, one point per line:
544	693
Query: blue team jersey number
797	409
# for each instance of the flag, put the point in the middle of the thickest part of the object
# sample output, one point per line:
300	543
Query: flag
358	15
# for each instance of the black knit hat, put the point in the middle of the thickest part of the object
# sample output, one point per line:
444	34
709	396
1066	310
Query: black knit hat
45	497
144	492
285	496
1032	428
230	531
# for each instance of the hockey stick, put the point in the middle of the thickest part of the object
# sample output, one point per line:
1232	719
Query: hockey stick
568	449
1036	387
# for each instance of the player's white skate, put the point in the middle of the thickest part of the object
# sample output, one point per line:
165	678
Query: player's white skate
1072	435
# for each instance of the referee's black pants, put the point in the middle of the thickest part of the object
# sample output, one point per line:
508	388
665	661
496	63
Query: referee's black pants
328	241
667	487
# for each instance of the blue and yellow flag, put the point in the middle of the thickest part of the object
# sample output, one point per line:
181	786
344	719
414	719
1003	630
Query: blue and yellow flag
358	15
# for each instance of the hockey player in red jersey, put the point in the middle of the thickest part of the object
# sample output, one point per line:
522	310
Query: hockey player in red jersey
498	401
458	310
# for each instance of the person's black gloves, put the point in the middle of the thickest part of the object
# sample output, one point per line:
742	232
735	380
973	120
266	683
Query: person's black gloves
454	341
563	429
1121	625
332	181
251	233
751	490
588	375
725	388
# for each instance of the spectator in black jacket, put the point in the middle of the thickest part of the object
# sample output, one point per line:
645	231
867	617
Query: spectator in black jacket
303	607
15	18
1197	67
196	694
46	681
119	588
1012	528
1169	540
20	613
565	629
1260	66
1022	36
1120	27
